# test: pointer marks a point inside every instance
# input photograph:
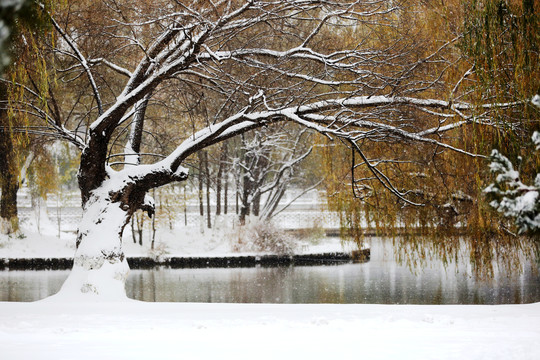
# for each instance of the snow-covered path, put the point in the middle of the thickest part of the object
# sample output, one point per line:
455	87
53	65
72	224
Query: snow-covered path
137	330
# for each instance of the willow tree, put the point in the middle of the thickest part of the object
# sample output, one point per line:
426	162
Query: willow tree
492	57
120	55
439	180
484	51
502	42
16	18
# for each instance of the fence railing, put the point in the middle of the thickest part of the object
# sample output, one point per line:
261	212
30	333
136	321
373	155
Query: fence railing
64	212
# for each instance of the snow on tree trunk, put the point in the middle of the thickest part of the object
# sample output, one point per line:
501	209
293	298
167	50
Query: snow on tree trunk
99	267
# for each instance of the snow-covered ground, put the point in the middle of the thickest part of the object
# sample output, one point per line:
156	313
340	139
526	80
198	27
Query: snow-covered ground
182	241
66	329
137	330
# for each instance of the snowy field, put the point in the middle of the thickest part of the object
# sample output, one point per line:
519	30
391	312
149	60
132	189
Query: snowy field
59	329
137	330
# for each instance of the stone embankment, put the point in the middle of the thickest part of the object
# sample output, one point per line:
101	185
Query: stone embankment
198	262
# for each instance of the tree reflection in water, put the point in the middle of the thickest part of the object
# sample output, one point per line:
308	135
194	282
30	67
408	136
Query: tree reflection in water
381	280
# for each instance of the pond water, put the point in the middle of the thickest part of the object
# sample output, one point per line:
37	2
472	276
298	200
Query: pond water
380	280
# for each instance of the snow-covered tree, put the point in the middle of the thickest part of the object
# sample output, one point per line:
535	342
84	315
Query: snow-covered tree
341	68
512	197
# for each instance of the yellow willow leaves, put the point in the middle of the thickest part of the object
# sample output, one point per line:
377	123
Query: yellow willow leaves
448	184
42	184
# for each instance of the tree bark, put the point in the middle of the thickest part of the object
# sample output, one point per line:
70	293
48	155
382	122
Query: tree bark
245	204
9	182
207	176
236	196
226	197
133	230
219	178
9	220
256	204
201	185
140	225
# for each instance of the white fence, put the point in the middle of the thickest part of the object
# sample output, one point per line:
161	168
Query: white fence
64	212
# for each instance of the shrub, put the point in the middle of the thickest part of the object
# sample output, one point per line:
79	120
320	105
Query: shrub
263	236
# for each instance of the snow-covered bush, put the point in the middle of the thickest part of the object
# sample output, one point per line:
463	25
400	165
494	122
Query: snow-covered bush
511	196
263	236
159	251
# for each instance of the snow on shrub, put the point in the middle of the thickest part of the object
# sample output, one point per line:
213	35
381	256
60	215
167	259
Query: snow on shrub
263	236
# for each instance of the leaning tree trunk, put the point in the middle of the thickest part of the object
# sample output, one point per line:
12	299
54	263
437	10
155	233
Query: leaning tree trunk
99	266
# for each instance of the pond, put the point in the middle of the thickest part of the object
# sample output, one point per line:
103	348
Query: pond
381	280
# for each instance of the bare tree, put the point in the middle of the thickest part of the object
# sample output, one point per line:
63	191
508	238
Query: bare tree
352	90
267	164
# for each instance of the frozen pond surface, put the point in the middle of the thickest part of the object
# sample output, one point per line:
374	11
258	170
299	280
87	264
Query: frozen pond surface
379	281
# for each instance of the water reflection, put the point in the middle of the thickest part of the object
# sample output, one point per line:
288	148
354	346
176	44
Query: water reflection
30	285
350	283
381	280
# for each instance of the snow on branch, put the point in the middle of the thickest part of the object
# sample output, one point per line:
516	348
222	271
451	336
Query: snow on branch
314	116
232	58
115	67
